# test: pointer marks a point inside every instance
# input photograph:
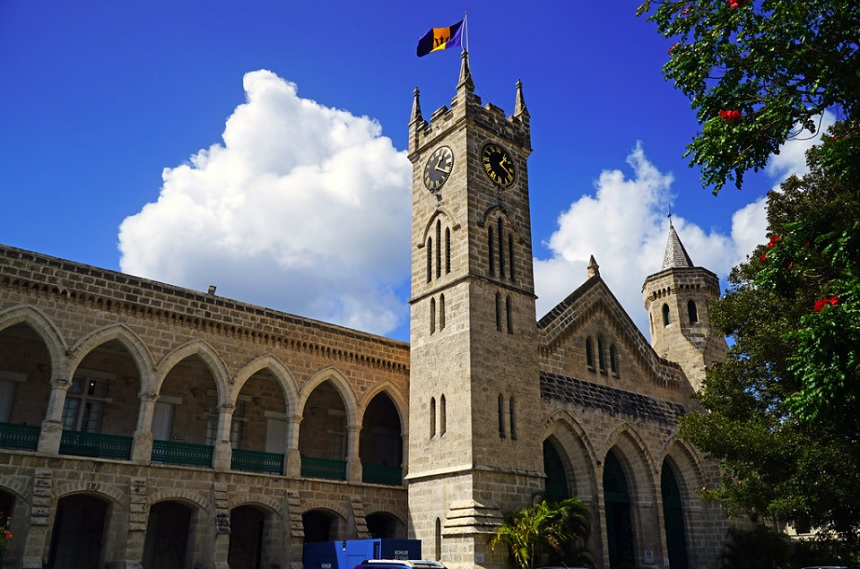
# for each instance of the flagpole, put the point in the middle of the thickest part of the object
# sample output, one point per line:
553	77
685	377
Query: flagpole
466	31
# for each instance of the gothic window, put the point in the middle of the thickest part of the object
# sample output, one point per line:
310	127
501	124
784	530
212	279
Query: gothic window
443	416
441	312
601	356
85	402
447	250
613	360
693	312
665	315
511	255
490	249
501	249
498	312
432	315
432	417
589	354
501	416
508	315
512	419
429	259
438	248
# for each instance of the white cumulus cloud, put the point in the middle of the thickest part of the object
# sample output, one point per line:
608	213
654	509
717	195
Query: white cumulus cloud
302	208
624	225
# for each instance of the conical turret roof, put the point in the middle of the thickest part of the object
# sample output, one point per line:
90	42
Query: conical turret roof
676	256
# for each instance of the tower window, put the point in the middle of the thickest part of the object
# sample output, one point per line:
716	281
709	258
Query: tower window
511	255
441	312
490	248
613	360
693	312
601	357
432	417
438	539
443	416
665	315
429	259
501	249
432	315
447	250
438	248
512	419
589	354
498	312
509	315
501	416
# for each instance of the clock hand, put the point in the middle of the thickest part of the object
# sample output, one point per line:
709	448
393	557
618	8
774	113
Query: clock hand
439	164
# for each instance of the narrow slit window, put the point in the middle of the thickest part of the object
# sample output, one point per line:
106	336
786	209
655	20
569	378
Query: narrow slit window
508	315
443	416
432	315
513	419
501	416
441	312
693	312
491	249
432	417
438	248
498	312
501	249
511	256
665	315
601	357
613	359
429	259
447	250
589	354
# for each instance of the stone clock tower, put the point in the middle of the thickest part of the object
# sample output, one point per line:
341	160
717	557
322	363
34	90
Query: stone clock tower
474	434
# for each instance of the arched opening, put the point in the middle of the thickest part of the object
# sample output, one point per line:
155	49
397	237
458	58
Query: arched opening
432	315
447	250
319	526
25	374
247	534
589	354
323	437
381	443
432	417
619	524
601	354
556	476
673	518
168	531
429	259
501	416
443	415
613	359
692	312
665	315
78	537
261	408
382	525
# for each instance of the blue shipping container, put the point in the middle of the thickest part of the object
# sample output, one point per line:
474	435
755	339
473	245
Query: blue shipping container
349	553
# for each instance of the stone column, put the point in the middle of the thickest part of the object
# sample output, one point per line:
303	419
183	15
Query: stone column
353	461
141	450
223	451
222	527
404	464
52	426
138	516
37	541
293	462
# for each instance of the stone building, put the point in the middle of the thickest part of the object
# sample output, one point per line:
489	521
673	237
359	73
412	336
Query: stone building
147	425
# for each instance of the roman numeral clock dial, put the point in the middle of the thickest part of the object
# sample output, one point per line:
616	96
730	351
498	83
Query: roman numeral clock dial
438	168
498	165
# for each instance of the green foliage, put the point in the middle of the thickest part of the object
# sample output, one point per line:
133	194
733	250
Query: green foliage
783	412
544	527
780	63
759	548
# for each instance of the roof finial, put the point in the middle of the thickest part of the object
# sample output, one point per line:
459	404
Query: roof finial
593	268
416	108
465	73
520	109
670	217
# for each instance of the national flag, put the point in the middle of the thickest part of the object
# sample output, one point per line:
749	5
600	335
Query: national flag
440	38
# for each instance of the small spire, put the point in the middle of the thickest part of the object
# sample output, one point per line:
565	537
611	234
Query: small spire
520	109
416	109
676	256
465	73
593	268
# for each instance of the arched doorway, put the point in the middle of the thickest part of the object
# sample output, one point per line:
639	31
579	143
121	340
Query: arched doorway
78	537
381	446
673	519
556	476
320	526
384	526
246	538
619	525
167	531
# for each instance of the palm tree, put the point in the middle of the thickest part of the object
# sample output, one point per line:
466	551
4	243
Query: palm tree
546	525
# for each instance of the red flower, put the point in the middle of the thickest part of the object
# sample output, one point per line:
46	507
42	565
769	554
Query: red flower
730	115
763	257
791	264
834	300
819	304
733	4
672	48
686	10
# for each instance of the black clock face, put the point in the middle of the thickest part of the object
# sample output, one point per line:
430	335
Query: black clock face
438	168
498	165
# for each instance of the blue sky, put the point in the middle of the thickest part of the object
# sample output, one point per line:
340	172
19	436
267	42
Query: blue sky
260	145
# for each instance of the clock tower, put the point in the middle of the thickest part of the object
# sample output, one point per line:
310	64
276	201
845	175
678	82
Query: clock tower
474	436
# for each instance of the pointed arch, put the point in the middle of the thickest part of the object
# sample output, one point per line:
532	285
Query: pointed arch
488	217
340	383
400	402
138	351
577	451
282	375
634	455
45	328
442	213
206	353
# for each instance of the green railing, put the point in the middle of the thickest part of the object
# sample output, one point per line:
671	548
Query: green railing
95	445
21	437
169	452
323	468
381	474
255	461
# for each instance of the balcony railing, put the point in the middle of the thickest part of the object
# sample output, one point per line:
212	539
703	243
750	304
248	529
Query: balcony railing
96	445
381	474
323	468
21	437
169	452
255	461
